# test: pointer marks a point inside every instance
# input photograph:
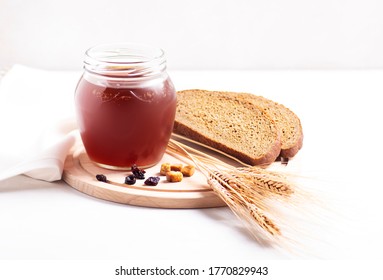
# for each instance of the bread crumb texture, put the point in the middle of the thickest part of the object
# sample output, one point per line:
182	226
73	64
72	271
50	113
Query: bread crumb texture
229	123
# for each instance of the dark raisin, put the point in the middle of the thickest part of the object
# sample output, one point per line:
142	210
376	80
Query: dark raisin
152	181
138	173
130	180
101	178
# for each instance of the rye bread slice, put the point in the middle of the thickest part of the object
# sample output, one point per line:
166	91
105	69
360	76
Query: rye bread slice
234	126
286	120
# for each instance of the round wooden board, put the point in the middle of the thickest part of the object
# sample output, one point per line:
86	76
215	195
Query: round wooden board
192	192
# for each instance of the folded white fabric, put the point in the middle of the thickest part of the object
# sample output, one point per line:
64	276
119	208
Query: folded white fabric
36	122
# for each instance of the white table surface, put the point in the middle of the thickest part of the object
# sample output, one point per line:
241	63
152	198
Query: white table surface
341	113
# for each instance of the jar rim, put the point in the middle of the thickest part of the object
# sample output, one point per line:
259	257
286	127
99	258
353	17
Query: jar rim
125	59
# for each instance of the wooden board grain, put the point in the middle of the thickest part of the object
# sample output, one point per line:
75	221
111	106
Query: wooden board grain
192	192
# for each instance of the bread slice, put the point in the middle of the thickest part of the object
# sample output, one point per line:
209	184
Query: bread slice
232	125
286	120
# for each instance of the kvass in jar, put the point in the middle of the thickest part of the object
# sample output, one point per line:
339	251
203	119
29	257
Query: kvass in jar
125	104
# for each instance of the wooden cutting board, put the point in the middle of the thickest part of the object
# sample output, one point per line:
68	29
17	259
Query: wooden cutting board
192	192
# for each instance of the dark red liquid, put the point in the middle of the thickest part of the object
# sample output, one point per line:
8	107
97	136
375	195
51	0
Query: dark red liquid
121	126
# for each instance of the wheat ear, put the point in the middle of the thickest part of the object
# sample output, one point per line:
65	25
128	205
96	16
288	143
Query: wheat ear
241	198
272	204
267	182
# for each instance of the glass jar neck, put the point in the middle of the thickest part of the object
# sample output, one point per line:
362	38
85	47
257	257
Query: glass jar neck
133	62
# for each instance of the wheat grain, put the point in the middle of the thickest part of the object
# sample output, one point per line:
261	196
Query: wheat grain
266	182
248	192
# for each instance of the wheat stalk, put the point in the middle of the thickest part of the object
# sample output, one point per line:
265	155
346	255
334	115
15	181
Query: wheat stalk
240	189
271	204
246	204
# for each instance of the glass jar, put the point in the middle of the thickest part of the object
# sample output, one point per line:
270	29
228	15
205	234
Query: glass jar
125	104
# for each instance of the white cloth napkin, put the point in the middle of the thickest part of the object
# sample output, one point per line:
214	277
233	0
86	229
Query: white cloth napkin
36	122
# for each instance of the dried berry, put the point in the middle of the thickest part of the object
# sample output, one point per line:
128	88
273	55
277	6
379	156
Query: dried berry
138	173
101	178
152	181
130	179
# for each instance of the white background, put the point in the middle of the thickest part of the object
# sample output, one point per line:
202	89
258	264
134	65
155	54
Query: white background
198	34
340	113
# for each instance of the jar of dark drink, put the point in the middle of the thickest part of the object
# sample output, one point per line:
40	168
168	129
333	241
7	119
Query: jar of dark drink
125	105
